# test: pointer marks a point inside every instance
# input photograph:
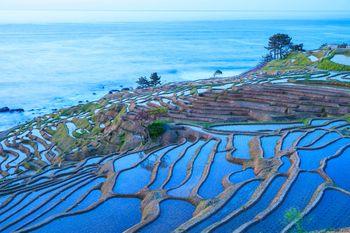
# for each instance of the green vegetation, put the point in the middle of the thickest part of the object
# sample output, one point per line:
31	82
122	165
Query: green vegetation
194	91
81	123
346	53
347	118
80	134
279	45
306	121
319	54
118	117
156	129
62	139
218	72
153	81
122	139
294	61
158	111
292	215
327	64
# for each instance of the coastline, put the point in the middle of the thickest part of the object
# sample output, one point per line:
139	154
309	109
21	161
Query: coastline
59	68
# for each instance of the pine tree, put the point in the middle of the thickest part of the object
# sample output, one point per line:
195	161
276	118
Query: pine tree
155	80
143	82
279	45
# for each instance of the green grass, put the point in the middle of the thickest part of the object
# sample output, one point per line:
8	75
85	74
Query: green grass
62	139
117	119
327	64
347	118
294	61
81	123
158	111
306	121
194	91
319	54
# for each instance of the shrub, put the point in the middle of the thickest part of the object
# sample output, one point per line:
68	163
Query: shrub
156	129
294	214
122	139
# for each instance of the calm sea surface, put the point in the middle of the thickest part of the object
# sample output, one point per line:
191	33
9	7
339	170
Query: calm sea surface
49	66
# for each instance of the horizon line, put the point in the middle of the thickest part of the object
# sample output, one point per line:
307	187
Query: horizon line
179	10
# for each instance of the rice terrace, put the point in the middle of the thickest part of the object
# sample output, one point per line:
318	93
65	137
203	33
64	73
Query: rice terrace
264	151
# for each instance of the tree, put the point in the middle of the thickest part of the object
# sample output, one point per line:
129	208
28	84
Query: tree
218	72
155	79
143	82
297	47
343	46
267	58
279	45
156	129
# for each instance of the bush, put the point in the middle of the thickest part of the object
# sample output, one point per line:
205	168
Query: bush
156	129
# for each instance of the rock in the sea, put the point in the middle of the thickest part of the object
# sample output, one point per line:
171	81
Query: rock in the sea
113	91
4	109
7	109
17	110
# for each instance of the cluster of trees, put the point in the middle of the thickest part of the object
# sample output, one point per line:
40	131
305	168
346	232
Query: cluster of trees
280	45
343	46
152	81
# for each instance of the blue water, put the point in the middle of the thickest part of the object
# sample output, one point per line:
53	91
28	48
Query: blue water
255	209
285	165
269	144
338	169
240	197
111	216
48	66
172	214
290	139
297	198
311	159
219	169
327	215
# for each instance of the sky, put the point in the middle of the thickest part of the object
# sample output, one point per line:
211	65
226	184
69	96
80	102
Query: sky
139	10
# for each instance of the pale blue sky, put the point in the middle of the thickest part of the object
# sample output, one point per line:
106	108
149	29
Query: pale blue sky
91	10
307	5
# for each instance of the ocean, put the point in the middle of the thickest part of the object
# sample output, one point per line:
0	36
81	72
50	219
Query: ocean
49	66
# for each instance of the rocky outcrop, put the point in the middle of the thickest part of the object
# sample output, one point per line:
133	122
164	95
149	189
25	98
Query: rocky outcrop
7	109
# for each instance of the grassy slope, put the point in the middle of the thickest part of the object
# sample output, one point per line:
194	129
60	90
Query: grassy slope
327	64
294	61
300	61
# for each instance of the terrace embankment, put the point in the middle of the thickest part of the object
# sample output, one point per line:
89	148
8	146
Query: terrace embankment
263	102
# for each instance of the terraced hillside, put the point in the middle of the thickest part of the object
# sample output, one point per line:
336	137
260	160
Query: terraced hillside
252	153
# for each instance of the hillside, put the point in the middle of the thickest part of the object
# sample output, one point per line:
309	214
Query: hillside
267	149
